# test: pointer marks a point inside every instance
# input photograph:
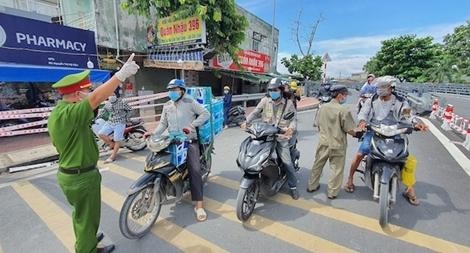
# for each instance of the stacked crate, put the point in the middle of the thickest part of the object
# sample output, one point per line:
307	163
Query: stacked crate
215	125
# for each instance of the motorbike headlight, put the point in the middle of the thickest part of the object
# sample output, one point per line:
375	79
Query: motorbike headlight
157	144
388	131
261	159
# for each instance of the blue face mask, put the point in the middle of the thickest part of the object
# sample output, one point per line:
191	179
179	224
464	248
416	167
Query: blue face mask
174	95
275	94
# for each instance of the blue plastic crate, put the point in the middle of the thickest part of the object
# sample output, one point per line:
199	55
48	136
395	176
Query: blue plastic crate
218	116
218	126
203	95
206	133
178	153
217	105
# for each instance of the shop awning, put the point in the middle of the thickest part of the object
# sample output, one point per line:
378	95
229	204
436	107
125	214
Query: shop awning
45	74
248	76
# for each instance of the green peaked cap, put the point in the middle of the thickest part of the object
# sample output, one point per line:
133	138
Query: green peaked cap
71	79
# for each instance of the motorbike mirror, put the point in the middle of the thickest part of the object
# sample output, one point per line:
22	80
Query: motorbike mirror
289	116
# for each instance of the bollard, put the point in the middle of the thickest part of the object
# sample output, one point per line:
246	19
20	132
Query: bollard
466	143
448	113
435	108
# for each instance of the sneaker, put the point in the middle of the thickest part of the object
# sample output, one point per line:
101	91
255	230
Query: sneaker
294	193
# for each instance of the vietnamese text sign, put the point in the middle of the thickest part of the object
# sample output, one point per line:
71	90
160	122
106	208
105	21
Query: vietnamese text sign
172	30
29	41
249	60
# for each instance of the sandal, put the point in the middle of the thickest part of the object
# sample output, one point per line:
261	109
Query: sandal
412	199
349	188
200	214
109	160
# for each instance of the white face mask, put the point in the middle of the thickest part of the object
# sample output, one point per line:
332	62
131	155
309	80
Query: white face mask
226	91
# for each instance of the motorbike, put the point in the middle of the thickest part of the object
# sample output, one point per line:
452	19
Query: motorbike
381	169
164	182
236	116
134	132
262	168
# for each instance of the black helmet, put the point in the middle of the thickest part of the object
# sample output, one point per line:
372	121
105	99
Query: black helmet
275	83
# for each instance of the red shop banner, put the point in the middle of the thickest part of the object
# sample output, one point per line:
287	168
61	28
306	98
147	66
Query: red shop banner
251	61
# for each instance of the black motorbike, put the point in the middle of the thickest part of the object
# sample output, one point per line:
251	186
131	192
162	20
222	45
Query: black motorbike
134	135
387	157
163	183
261	166
236	116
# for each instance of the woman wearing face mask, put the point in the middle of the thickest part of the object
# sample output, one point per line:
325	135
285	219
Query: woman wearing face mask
119	112
334	121
272	110
227	104
182	113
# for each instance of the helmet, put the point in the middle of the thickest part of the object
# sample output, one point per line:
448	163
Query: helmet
293	85
226	88
385	81
371	75
176	83
275	83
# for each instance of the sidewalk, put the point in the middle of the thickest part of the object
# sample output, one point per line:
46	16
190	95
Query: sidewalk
36	148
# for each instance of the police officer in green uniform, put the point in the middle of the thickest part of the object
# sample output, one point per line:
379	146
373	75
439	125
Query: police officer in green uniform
69	127
334	121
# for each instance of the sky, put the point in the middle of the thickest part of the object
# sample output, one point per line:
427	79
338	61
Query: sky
352	30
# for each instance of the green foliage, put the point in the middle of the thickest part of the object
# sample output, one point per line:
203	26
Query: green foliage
420	60
406	57
225	27
308	66
457	47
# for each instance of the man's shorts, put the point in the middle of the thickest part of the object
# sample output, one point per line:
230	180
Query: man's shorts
365	145
116	129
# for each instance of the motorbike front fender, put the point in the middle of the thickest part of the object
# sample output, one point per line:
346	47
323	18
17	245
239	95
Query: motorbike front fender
144	181
246	182
388	172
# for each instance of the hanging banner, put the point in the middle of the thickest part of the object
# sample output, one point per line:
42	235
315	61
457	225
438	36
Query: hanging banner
171	30
251	61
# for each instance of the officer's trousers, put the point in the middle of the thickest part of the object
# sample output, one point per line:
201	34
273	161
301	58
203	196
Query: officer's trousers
84	194
337	159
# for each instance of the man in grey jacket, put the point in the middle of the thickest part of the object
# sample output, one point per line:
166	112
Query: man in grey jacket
272	110
182	113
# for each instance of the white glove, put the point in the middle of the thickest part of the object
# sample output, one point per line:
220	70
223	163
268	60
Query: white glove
128	69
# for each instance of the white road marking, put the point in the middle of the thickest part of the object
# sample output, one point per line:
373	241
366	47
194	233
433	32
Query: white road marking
455	152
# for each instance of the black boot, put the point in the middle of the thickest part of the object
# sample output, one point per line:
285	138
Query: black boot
105	249
294	193
99	236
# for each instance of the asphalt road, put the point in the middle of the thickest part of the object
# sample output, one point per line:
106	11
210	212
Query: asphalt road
35	217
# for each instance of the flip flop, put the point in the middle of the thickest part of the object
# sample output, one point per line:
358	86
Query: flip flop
349	188
200	214
411	199
109	160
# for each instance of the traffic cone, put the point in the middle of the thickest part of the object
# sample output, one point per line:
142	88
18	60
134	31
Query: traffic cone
448	113
466	143
435	108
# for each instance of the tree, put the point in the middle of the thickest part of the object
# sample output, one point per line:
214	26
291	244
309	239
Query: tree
443	69
406	57
225	27
457	46
308	66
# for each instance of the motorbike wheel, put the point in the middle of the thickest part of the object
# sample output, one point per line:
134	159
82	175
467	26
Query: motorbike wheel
137	140
139	212
246	201
384	203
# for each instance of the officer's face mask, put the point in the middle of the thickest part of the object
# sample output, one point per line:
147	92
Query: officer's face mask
275	95
174	95
384	91
225	91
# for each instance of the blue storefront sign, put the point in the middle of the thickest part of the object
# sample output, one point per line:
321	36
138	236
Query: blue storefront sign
29	41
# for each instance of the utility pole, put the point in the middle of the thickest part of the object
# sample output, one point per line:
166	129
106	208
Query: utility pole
272	35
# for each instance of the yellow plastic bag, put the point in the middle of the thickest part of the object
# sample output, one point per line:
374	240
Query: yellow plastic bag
408	174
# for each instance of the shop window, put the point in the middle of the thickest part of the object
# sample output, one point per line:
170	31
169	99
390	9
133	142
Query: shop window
16	96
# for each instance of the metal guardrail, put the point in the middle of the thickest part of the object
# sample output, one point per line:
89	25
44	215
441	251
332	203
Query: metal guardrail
246	97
